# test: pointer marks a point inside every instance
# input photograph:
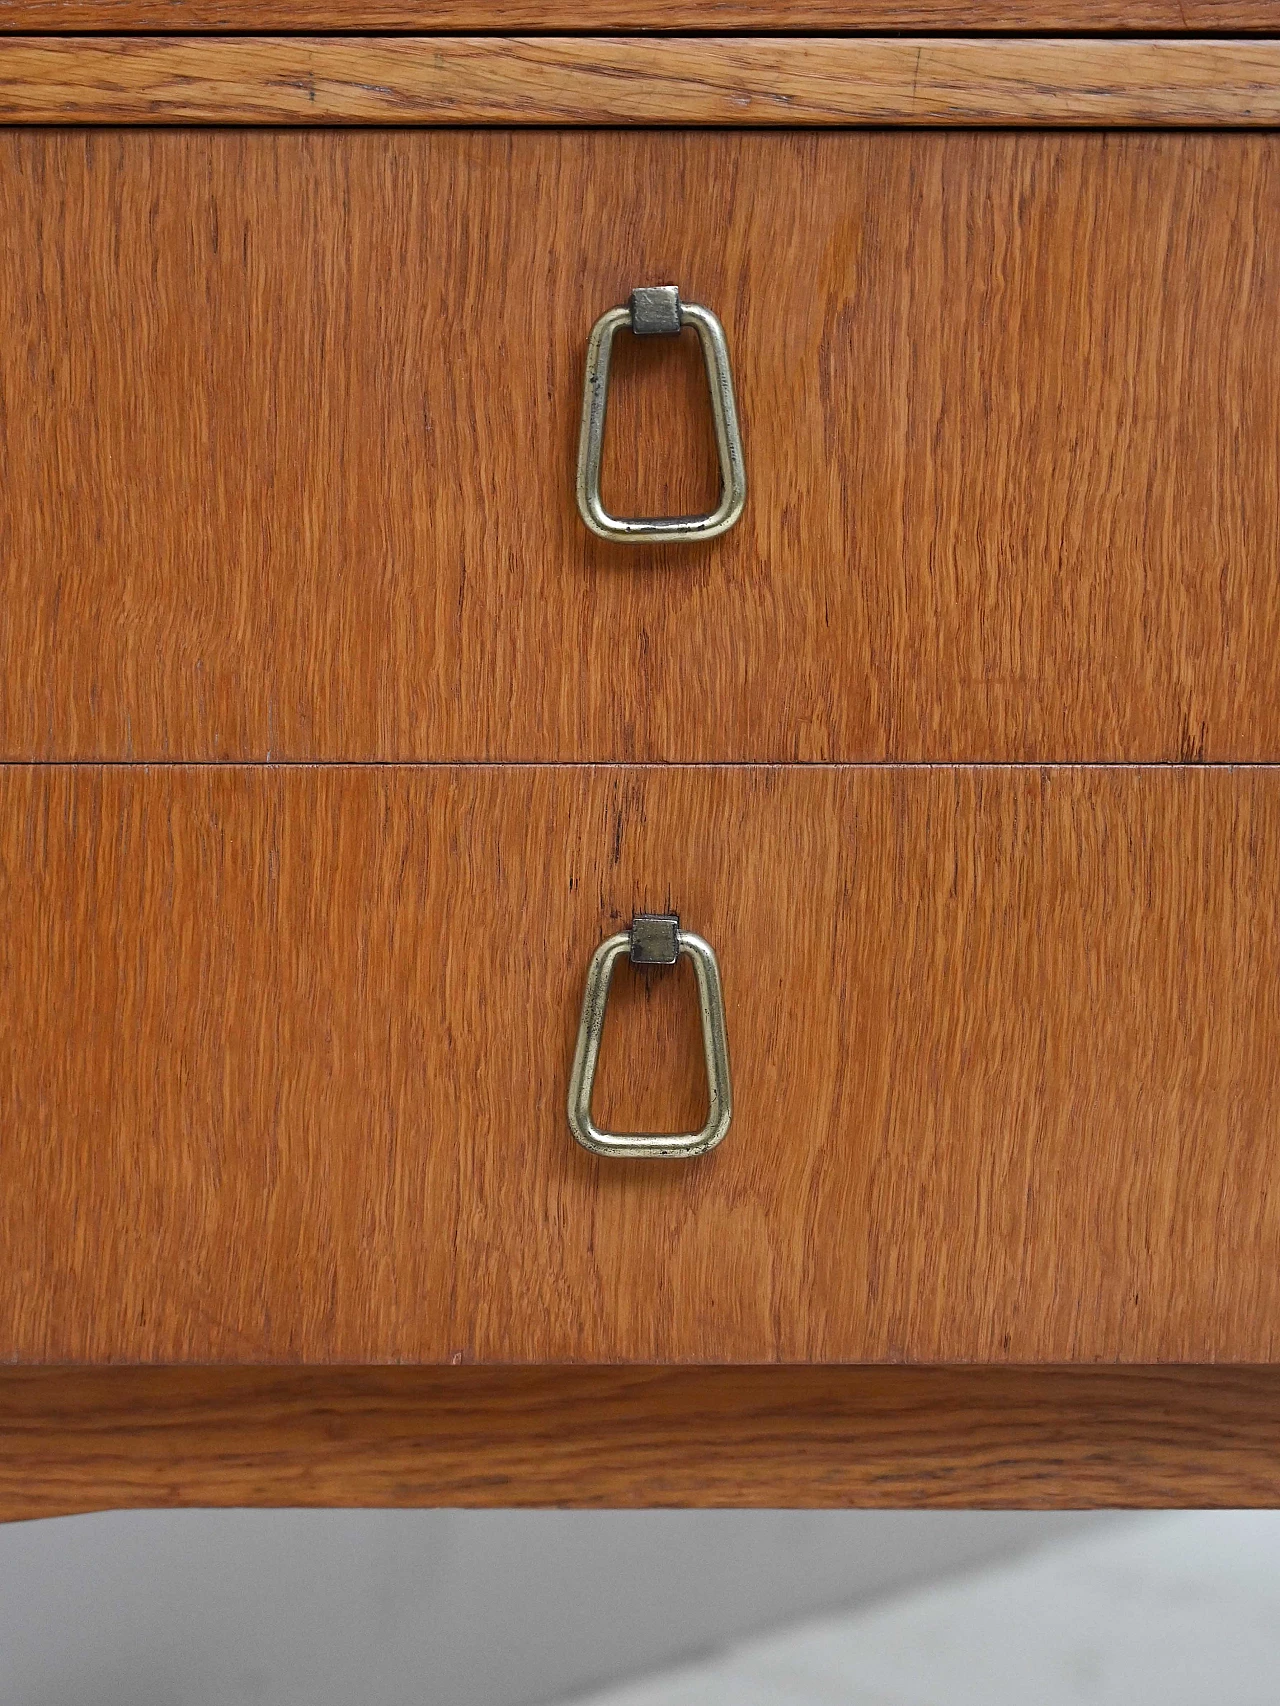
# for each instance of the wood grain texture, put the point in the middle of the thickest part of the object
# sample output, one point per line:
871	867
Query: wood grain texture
286	1055
75	1440
568	80
289	423
497	16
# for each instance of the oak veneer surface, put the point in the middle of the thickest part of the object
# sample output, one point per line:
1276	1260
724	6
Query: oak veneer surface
289	426
670	15
77	1439
286	1055
600	80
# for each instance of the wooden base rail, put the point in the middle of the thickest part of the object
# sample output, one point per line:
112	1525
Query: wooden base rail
580	80
79	1440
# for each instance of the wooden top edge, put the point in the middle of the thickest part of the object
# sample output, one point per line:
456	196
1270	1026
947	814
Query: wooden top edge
577	80
1080	17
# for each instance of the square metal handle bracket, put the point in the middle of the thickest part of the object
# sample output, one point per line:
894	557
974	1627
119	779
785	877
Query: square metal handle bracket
652	940
657	311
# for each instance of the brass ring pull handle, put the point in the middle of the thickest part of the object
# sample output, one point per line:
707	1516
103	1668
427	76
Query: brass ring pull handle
657	311
653	940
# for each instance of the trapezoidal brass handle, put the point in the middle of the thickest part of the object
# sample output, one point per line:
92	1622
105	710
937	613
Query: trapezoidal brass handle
657	311
652	940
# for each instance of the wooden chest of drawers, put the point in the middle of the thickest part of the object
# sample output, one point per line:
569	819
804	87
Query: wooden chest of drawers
334	743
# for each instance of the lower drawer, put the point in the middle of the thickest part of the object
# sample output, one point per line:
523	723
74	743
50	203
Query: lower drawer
285	1058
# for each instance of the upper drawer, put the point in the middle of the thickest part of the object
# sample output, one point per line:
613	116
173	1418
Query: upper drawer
289	424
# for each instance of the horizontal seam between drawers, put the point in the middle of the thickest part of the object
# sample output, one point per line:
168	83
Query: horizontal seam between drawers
627	764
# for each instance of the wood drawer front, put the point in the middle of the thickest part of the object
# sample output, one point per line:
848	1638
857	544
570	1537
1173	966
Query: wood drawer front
289	424
286	1055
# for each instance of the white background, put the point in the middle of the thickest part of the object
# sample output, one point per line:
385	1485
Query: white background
400	1608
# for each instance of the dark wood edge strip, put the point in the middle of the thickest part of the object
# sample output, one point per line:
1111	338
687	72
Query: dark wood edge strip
573	80
79	1439
934	17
